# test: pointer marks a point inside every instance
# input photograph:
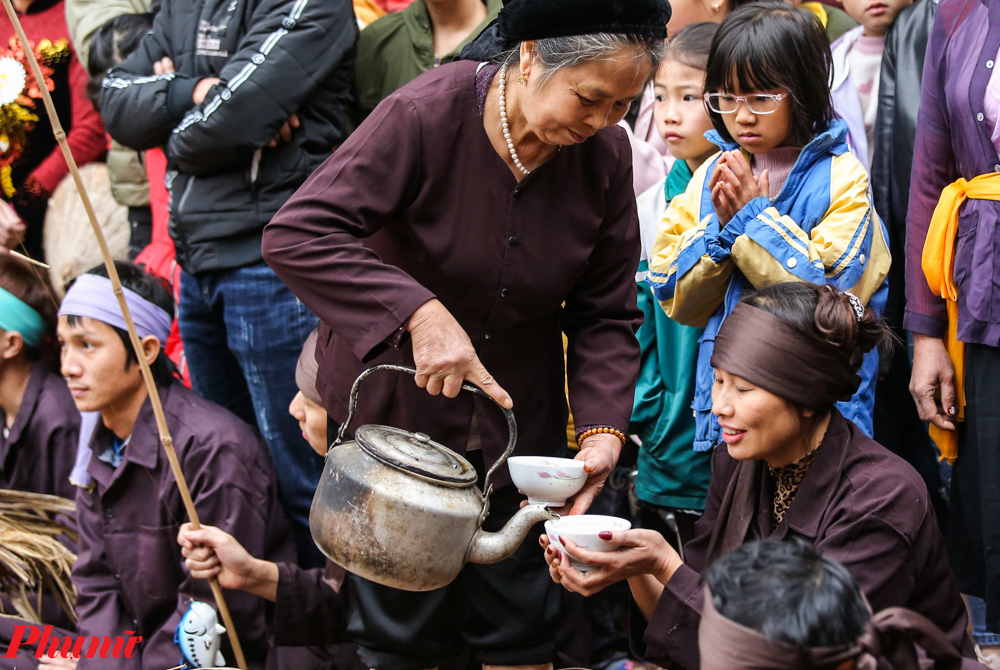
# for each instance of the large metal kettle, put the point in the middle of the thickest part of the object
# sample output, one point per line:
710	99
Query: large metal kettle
401	510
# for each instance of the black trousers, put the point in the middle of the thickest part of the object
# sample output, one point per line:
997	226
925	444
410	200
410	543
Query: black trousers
973	536
507	613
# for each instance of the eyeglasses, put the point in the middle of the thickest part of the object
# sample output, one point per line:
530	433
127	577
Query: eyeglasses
758	103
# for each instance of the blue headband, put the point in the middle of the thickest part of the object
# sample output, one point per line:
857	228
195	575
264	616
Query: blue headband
15	314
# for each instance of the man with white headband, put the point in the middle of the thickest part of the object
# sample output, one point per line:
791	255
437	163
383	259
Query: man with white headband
130	574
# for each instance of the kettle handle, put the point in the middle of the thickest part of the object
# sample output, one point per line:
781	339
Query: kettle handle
466	386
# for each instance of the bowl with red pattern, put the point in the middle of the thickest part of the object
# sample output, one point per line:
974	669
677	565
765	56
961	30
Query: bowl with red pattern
545	480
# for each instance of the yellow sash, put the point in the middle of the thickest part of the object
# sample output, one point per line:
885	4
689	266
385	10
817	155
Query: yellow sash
938	264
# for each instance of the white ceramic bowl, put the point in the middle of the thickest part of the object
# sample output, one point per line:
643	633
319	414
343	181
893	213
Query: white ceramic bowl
583	530
547	481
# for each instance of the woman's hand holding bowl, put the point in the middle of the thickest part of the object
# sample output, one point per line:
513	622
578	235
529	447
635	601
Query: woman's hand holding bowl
641	552
444	355
600	453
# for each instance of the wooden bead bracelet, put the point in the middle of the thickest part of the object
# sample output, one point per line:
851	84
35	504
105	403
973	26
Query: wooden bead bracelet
598	431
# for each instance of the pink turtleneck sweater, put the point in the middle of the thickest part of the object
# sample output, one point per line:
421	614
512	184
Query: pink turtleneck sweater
778	163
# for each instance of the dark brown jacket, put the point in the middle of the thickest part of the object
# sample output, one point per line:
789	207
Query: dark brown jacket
860	505
417	204
130	574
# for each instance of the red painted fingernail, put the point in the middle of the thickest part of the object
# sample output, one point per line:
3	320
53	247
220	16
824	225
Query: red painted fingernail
548	550
604	535
951	411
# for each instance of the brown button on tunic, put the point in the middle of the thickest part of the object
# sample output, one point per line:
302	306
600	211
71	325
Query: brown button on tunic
130	574
417	204
860	505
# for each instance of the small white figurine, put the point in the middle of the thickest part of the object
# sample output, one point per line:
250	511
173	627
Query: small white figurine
199	636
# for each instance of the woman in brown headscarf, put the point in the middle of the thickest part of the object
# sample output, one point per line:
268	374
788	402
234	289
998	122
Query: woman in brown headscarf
791	467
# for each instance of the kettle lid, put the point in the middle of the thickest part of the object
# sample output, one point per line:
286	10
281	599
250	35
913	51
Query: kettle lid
416	454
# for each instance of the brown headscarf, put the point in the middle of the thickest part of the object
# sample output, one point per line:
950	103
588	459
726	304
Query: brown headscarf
308	368
893	634
767	352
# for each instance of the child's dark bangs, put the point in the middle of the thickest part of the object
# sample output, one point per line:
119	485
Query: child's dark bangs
753	66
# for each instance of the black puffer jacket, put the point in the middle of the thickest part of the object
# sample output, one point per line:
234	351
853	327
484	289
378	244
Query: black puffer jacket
274	58
895	132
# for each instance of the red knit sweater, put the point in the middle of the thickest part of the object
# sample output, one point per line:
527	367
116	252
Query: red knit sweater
46	19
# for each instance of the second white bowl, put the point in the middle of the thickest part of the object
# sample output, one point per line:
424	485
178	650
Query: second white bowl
583	530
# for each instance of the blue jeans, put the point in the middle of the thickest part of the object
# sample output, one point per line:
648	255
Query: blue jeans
243	331
977	609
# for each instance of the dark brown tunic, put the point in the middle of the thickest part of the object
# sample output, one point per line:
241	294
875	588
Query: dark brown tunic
130	574
310	608
417	204
40	450
38	455
860	505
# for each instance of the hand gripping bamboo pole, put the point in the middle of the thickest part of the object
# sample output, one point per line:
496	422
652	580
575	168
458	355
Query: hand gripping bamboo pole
154	396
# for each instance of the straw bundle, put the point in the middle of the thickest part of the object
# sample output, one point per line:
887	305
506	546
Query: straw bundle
31	557
70	247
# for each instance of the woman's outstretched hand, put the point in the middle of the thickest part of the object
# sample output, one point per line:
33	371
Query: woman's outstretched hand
444	355
212	552
641	552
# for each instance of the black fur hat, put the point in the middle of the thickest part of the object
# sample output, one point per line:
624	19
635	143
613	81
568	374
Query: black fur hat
523	20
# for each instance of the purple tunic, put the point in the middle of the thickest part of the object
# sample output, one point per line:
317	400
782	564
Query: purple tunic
130	574
40	450
417	204
310	608
954	139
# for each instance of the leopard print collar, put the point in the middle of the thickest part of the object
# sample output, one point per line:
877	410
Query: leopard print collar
787	480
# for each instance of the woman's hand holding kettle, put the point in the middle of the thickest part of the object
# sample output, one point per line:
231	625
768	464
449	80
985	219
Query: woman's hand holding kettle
444	355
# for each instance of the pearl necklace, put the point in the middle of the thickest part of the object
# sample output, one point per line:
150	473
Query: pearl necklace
503	121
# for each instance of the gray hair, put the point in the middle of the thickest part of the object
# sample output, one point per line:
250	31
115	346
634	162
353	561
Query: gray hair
558	53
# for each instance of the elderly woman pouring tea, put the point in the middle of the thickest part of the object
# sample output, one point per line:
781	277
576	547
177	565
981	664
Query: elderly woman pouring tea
476	215
792	467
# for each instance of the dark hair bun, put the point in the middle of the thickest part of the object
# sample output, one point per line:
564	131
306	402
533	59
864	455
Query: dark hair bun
837	321
826	314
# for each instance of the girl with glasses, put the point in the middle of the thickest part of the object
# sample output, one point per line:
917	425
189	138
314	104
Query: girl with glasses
784	200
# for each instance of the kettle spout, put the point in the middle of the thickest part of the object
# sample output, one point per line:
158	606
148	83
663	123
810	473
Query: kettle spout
495	547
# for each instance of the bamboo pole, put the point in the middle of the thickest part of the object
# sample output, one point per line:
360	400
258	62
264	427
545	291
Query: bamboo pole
154	396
